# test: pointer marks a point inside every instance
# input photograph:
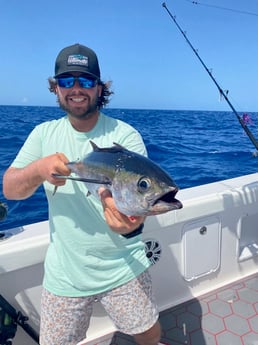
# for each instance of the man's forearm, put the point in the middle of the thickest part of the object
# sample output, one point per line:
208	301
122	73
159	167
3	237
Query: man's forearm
21	183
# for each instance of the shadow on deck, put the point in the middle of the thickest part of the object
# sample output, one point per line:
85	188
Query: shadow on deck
227	316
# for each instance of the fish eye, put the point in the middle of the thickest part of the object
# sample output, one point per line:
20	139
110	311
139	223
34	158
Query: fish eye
144	184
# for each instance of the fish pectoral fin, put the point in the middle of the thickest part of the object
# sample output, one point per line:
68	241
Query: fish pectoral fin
84	179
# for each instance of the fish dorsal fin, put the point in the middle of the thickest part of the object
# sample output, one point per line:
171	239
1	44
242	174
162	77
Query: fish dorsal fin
115	148
94	146
119	146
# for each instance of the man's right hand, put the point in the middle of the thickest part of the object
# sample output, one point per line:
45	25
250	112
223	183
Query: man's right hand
21	183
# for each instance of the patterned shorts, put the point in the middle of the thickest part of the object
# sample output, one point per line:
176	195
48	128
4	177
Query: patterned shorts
65	320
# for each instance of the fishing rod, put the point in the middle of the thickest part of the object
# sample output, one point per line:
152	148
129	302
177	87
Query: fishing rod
223	8
242	123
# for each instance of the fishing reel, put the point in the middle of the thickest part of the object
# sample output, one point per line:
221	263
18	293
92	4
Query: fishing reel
3	211
9	319
8	327
3	214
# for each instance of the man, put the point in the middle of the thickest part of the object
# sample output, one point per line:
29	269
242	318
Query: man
95	252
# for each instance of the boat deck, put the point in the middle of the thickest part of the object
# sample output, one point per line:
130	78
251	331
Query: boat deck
227	316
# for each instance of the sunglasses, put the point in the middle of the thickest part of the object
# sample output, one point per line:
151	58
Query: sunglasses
69	81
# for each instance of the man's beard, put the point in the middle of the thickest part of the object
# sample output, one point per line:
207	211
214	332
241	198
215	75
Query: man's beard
84	113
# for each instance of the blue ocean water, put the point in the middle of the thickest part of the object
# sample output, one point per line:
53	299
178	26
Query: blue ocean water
194	147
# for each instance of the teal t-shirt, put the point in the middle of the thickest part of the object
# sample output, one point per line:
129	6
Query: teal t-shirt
85	257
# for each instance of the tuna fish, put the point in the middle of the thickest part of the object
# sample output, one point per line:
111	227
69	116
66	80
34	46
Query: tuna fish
138	185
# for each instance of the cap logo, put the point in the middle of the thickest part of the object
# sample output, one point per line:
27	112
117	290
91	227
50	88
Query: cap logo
78	59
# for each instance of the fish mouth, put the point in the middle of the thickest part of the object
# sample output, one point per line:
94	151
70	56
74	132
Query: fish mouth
166	202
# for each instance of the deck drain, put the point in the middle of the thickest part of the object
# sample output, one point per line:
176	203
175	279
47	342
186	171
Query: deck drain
153	250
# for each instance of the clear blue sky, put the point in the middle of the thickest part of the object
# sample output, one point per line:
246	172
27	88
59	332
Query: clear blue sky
139	49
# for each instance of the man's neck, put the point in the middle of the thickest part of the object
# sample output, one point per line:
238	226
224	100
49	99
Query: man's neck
84	124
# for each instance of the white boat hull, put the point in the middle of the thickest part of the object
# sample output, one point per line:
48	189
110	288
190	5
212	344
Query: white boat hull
211	242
